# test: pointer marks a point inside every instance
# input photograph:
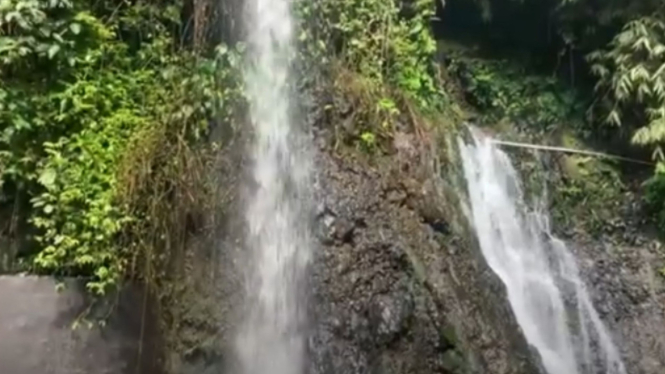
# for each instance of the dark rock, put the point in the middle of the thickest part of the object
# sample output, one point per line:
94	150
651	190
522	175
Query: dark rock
332	228
621	273
391	274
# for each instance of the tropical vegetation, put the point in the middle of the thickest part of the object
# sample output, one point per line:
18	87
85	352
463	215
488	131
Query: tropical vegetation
107	107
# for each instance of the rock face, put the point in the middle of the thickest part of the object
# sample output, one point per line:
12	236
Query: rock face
396	289
621	267
38	338
398	284
602	221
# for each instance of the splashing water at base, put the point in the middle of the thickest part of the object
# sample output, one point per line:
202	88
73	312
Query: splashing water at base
270	340
547	296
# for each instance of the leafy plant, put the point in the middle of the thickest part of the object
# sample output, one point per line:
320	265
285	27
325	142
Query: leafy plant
368	141
377	57
632	78
84	83
655	195
507	91
375	39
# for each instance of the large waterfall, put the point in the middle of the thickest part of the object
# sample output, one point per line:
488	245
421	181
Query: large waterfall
270	339
547	296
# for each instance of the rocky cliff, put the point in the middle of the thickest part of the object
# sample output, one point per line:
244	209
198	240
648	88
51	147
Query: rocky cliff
399	286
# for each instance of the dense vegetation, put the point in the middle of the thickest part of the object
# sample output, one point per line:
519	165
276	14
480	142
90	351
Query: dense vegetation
101	104
379	57
106	106
595	67
106	110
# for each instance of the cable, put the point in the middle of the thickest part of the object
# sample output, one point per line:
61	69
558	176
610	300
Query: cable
569	150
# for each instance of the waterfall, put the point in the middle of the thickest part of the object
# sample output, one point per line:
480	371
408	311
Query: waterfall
547	296
270	339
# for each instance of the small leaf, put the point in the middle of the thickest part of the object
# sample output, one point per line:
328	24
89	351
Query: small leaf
47	178
53	50
75	28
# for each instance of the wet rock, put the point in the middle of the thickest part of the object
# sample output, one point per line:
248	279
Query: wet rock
390	315
332	228
390	274
621	273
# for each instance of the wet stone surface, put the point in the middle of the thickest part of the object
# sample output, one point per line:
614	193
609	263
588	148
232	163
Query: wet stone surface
384	297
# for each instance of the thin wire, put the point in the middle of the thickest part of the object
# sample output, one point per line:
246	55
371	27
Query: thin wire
570	150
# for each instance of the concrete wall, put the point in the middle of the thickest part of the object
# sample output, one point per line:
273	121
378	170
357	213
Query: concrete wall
36	334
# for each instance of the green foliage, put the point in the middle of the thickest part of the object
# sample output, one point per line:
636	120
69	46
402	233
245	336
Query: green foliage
368	141
36	31
632	78
505	91
82	82
388	42
624	42
624	45
589	193
655	196
377	58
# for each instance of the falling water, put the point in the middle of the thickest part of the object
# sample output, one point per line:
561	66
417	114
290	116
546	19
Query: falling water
547	296
270	340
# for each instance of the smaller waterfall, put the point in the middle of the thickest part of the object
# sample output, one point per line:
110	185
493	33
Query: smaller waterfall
547	296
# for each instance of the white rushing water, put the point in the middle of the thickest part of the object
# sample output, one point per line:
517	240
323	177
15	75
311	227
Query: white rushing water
547	296
270	340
